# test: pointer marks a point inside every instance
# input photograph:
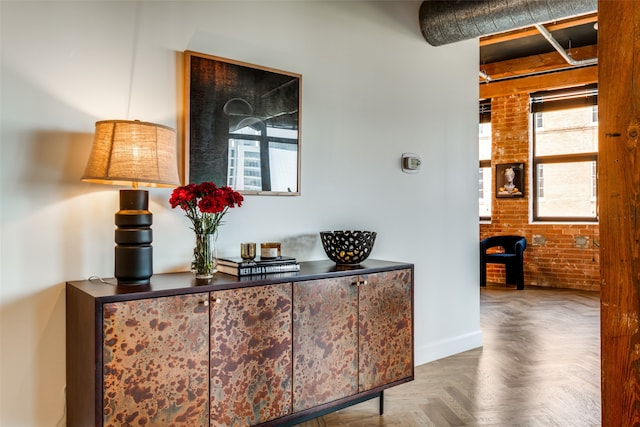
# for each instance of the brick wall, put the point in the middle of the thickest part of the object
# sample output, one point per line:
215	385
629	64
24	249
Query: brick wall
557	255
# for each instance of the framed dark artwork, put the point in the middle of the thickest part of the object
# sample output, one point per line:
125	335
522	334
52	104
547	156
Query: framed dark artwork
242	125
510	180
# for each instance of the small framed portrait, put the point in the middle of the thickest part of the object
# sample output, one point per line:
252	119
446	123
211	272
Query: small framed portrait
510	180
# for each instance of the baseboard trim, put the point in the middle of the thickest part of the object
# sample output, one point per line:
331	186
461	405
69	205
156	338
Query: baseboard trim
448	347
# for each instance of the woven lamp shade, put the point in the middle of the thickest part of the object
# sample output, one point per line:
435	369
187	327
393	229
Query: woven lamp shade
132	152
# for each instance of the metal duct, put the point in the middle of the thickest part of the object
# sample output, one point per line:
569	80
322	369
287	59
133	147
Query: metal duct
449	21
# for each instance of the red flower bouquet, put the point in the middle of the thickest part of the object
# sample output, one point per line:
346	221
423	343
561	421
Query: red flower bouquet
205	204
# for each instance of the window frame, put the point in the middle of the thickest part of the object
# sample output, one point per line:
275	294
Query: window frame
555	101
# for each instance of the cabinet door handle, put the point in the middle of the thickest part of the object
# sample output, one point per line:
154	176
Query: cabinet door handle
356	283
364	282
216	300
205	303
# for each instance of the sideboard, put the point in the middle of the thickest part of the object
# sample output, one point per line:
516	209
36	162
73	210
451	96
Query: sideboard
264	350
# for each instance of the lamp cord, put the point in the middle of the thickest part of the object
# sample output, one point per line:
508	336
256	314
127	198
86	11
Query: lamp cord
63	420
101	280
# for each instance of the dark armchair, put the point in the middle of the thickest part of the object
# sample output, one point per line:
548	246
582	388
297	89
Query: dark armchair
512	258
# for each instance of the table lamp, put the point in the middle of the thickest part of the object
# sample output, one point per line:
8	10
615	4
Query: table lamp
133	153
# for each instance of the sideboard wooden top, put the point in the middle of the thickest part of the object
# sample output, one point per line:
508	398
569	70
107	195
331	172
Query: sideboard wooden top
186	283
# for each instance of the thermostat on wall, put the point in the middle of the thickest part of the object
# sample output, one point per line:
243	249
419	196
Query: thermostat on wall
411	163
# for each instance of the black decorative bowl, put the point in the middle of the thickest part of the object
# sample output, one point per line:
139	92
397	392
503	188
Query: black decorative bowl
348	247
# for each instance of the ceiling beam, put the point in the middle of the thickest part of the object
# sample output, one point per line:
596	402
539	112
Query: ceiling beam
531	31
557	80
536	63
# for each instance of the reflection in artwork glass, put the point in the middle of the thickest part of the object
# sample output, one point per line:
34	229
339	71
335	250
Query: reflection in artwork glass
247	165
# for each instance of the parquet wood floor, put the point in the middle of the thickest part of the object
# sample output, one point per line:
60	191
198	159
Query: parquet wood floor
539	367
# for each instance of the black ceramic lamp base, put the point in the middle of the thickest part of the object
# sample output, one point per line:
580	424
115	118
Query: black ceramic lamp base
133	237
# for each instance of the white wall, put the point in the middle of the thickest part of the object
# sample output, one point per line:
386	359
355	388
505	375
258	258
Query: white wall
372	89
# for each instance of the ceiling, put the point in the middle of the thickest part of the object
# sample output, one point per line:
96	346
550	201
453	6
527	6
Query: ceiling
525	51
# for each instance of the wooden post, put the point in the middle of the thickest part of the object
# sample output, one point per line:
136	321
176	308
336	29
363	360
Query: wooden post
619	195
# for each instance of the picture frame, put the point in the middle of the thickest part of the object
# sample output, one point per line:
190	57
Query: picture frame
510	180
242	125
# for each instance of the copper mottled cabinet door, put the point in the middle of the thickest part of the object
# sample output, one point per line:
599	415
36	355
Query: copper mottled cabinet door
386	353
250	355
325	341
155	362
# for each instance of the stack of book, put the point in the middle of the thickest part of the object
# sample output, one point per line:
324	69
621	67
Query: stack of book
237	266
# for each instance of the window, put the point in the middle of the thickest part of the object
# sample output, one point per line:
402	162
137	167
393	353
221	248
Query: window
594	180
565	155
538	120
484	172
540	182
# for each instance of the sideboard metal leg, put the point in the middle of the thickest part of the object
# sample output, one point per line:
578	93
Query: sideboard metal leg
381	409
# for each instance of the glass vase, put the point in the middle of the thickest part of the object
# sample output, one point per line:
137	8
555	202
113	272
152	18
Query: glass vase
204	256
